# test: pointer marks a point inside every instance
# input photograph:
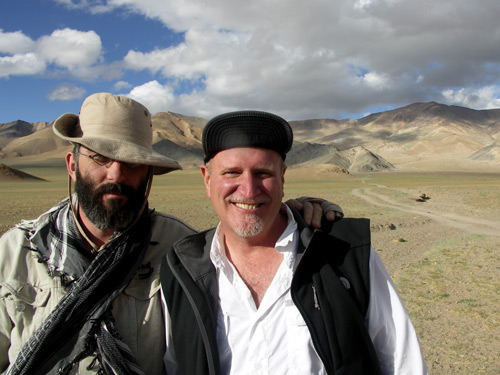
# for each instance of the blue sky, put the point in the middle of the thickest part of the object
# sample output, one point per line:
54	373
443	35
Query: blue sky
300	59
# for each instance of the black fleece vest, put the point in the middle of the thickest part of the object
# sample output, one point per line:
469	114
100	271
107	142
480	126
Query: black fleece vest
330	288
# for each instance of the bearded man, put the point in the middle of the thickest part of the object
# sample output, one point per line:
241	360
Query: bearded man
79	285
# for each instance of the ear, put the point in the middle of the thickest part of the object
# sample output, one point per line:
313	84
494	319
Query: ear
71	165
206	178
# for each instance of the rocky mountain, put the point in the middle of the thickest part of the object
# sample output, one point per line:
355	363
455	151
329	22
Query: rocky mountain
18	129
420	136
182	130
186	156
36	143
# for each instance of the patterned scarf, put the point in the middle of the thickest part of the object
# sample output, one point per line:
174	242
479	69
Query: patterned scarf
82	323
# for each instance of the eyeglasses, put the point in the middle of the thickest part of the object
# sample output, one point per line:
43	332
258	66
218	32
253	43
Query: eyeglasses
106	162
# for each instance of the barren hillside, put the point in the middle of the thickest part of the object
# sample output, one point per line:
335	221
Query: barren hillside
12	174
421	136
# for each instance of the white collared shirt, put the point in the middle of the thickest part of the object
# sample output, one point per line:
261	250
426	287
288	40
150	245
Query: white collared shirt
274	338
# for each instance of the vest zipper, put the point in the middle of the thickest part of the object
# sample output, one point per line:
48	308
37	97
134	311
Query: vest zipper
316	302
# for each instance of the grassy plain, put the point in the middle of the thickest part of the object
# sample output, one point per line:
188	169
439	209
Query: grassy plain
443	254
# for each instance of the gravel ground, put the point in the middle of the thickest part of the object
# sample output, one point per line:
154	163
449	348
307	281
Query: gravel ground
443	256
442	253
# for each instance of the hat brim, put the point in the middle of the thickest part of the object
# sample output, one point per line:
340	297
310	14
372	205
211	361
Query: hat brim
66	127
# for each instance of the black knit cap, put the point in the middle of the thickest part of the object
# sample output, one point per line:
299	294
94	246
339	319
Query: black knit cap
246	129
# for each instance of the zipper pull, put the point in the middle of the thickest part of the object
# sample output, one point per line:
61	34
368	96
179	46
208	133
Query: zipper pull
316	302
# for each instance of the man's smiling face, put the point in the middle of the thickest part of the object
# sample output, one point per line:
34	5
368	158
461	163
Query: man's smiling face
245	185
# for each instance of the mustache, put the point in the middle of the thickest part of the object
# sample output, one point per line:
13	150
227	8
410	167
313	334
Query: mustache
112	188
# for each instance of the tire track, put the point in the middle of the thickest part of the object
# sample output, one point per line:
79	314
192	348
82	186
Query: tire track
465	223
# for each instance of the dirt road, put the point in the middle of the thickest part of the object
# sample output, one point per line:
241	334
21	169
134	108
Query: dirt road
462	222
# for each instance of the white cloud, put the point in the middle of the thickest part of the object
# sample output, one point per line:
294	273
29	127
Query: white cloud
20	58
295	57
301	59
77	51
15	43
362	3
66	91
376	81
156	97
26	64
95	7
482	98
122	85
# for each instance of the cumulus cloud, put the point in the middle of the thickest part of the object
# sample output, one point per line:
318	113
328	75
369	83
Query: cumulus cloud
19	58
301	59
156	97
15	43
21	64
482	98
317	59
76	53
66	91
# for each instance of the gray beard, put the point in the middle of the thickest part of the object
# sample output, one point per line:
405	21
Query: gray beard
252	227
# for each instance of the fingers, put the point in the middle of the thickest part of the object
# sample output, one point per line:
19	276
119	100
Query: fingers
309	213
294	203
318	215
314	209
332	211
331	215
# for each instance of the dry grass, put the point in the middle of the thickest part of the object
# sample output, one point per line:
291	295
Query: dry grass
442	254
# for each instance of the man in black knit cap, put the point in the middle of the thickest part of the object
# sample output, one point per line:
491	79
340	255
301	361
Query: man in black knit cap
264	294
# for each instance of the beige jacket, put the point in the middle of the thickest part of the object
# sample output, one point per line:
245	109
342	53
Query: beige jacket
28	294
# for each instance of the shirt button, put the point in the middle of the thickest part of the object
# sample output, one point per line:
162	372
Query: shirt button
20	307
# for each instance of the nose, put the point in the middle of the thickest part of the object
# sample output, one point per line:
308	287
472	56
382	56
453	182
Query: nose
249	185
116	171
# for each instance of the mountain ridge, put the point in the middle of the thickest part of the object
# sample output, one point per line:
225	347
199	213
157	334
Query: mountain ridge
419	136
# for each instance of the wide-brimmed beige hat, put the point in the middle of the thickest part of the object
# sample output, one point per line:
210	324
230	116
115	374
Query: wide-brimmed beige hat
117	127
